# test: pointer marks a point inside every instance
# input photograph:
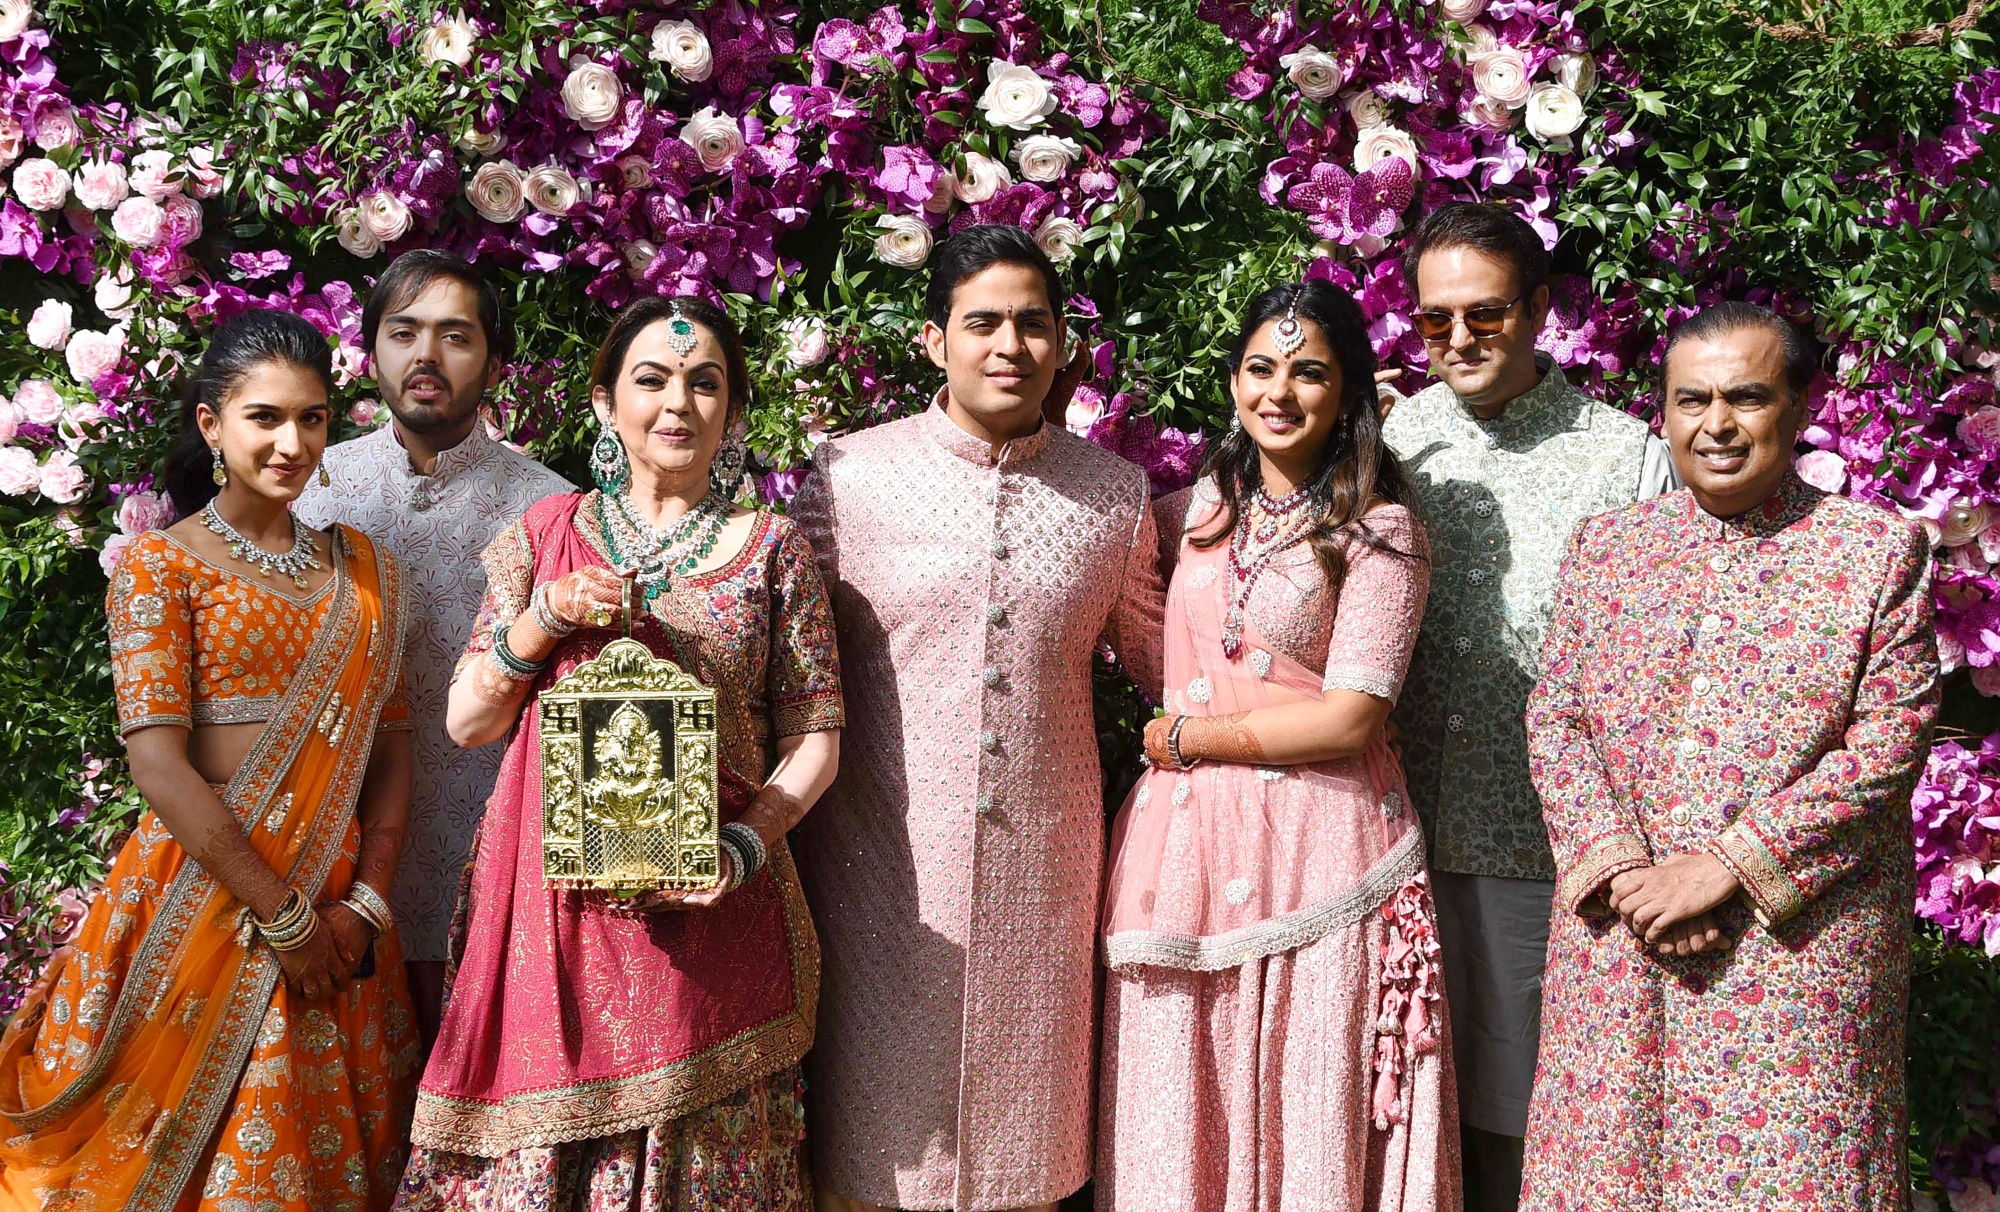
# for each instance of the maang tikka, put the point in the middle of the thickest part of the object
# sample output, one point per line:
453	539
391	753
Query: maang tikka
681	336
1290	334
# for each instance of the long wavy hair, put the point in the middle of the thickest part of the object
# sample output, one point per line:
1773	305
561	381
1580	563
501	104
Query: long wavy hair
1356	472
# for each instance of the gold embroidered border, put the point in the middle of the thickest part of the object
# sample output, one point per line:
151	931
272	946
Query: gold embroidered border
1233	948
600	1108
1606	857
1764	881
813	713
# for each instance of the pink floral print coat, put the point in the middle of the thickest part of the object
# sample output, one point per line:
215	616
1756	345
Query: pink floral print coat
1761	688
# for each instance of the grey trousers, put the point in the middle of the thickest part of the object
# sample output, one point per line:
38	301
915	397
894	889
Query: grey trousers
1494	934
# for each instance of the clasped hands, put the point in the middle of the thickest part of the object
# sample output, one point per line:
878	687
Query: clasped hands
1667	906
329	959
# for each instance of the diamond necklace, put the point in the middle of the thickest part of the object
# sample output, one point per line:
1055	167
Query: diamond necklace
655	554
1252	547
296	563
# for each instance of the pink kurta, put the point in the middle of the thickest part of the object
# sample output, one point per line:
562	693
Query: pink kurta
1274	1034
953	870
1761	688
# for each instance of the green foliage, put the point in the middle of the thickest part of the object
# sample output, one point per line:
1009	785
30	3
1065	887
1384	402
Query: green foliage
1954	1071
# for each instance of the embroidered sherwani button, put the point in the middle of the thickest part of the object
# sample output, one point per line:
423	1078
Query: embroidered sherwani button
989	740
1701	684
1719	562
1689	746
1711	623
1679	815
990	675
985	805
999	549
996	614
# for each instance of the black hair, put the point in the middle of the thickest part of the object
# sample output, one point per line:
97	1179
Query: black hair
1722	319
978	248
410	274
1488	227
640	314
1357	470
254	339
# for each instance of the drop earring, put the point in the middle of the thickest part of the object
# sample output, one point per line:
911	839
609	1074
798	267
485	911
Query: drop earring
608	465
218	473
325	480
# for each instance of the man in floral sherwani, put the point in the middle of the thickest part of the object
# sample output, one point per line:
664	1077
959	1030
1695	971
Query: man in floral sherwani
1738	689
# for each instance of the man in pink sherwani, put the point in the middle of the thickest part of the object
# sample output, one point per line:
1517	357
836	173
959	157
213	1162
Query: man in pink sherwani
975	556
1739	684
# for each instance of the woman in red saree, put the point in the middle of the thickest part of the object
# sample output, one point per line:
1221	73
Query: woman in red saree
174	1056
603	1054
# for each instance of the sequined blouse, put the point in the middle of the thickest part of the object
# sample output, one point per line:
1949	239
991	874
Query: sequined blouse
760	623
196	643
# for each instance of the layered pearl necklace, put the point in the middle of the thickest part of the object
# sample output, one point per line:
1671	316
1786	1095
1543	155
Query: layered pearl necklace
653	554
296	563
1267	528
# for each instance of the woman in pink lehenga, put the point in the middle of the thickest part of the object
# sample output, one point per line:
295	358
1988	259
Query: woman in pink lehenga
1274	1032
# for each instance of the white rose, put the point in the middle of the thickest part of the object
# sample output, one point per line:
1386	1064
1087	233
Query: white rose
90	354
1502	74
1367	108
592	95
1015	96
353	234
19	474
1046	157
637	255
1376	142
1483	41
139	222
113	294
153	175
450	41
984	177
551	190
715	137
1553	111
1962	524
1058	238
48	328
1465	12
14	15
1576	71
683	48
806	342
101	184
1313	72
38	401
41	184
482	142
495	191
905	241
385	215
202	179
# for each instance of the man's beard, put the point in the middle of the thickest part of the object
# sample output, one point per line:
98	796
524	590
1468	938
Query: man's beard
453	412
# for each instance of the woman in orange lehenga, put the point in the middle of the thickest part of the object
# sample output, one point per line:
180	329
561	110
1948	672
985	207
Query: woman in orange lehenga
231	1028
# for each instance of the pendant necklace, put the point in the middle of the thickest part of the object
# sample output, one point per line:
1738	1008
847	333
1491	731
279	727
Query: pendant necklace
296	563
655	554
1256	542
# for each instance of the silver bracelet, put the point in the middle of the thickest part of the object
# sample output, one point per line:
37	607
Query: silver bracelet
545	618
750	845
370	907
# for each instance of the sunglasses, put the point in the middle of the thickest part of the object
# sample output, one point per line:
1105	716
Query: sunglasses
1435	326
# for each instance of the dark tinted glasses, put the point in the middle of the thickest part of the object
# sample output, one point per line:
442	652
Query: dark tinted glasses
1479	321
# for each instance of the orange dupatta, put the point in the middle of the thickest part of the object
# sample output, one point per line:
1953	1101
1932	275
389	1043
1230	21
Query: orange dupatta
114	1106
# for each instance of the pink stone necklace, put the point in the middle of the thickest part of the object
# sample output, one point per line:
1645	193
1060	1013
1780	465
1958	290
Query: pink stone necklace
1267	528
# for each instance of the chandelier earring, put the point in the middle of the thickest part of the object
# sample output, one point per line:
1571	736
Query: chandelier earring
725	472
218	473
608	464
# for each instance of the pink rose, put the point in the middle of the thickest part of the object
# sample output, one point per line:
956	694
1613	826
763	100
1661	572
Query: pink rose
715	137
637	255
1823	469
11	138
139	222
113	552
385	216
19	474
38	401
591	94
1981	430
41	184
62	481
112	293
79	423
55	126
1485	111
91	354
144	511
180	223
362	412
10	421
71	908
202	179
153	175
636	172
1502	74
48	328
101	184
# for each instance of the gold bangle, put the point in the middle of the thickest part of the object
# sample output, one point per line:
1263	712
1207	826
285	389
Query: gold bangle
299	940
370	907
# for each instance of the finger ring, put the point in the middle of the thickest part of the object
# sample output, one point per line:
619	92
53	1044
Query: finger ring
600	617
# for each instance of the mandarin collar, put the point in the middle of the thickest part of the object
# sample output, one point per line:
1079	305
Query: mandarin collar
1529	410
1780	511
449	462
946	433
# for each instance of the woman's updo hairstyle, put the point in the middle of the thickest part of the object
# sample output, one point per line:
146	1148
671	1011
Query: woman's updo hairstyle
640	314
254	339
1357	470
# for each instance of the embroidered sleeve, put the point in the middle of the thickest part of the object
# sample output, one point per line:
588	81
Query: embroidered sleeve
1592	831
510	573
812	509
804	669
1136	630
151	619
1790	848
1381	607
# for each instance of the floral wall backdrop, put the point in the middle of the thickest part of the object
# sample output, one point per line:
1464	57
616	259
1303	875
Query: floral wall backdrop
166	164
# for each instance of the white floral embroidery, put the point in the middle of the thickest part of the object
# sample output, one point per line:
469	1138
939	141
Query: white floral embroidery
1182	790
1236	891
1202	578
1392	805
1200	691
1260	662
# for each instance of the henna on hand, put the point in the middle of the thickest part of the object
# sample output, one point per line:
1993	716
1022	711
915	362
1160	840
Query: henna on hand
1224	738
575	596
1158	730
773	813
381	848
493	686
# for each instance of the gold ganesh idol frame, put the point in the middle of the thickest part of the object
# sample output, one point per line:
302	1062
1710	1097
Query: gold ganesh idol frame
629	775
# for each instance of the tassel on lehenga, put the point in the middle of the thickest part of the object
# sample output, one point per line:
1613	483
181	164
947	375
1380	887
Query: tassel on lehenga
1406	1026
